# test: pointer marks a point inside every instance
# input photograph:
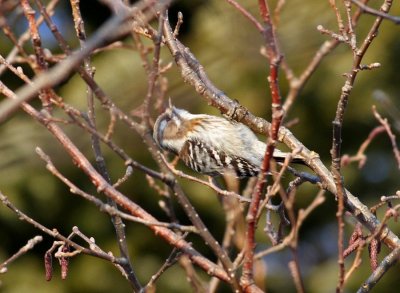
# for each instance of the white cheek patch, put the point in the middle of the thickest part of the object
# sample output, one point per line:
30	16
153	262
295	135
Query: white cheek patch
177	122
174	145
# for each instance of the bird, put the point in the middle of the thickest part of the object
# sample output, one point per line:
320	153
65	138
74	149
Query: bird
211	145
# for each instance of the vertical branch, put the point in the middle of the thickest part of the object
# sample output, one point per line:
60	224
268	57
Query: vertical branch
154	71
337	124
118	224
340	194
274	58
40	65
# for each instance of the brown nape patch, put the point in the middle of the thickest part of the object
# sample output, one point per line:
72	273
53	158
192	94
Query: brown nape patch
175	132
190	125
187	127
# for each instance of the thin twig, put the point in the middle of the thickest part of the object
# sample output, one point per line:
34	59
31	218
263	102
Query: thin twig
110	209
170	261
247	15
193	73
122	200
55	234
392	137
118	224
23	250
57	73
375	12
209	183
360	155
389	261
274	58
346	36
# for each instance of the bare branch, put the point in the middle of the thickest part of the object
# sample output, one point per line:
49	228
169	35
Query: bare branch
23	250
375	12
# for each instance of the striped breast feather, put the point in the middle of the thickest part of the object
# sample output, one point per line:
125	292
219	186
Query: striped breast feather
206	159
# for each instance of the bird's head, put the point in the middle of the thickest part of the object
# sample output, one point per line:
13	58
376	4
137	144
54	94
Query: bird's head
171	129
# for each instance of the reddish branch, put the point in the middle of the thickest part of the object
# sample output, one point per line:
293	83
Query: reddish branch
103	186
274	58
176	189
193	72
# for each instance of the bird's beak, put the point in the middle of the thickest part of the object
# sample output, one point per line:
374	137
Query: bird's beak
170	109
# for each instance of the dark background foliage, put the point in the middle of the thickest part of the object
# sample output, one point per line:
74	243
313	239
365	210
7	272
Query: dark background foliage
228	48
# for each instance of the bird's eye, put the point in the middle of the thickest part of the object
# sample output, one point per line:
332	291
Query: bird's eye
167	118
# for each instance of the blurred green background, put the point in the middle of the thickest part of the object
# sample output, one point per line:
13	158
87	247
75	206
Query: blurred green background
228	47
